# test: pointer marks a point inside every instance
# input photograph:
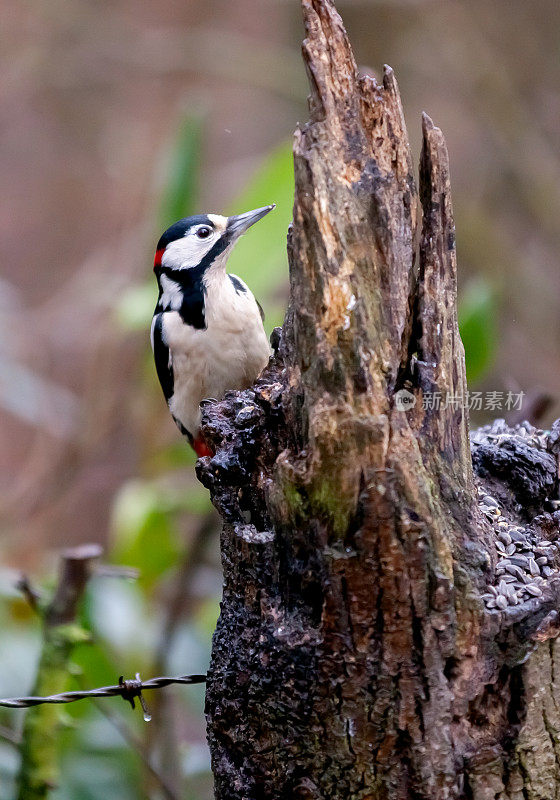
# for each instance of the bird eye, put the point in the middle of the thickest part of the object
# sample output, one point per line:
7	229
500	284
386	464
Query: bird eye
204	232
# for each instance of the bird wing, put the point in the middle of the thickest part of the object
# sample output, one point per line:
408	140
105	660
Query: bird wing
162	356
242	288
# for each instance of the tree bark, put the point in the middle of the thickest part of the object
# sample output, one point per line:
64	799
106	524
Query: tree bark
362	650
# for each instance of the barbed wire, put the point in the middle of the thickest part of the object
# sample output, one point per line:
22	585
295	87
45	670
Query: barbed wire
128	690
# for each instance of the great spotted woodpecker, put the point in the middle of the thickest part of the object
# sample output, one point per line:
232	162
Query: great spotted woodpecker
207	331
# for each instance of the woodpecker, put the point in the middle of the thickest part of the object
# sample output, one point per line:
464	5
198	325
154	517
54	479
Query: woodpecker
207	332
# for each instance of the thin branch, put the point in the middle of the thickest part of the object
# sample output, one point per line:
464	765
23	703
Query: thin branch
137	745
30	594
182	596
116	571
163	737
61	632
10	736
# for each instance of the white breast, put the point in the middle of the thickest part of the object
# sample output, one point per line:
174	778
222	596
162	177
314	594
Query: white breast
229	354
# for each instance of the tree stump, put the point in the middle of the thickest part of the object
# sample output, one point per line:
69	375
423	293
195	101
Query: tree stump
375	639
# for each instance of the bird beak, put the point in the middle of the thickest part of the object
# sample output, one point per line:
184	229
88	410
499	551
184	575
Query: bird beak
236	226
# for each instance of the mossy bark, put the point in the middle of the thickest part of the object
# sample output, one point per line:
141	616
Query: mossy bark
354	657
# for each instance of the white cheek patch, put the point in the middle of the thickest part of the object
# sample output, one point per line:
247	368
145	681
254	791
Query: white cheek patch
187	252
171	295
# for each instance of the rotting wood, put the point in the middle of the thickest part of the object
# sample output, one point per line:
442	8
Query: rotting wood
355	655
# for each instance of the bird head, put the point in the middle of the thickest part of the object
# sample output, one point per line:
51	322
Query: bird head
202	241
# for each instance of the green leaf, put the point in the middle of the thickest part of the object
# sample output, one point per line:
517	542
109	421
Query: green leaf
143	531
180	195
477	325
260	258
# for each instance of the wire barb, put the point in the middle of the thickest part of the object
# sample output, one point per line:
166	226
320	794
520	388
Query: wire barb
131	689
128	690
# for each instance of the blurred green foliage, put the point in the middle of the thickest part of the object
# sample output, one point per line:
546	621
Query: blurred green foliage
478	328
146	525
260	258
182	174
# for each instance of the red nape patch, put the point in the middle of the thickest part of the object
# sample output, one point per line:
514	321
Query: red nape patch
201	448
158	257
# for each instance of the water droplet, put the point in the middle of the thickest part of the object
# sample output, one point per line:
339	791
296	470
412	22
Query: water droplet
147	717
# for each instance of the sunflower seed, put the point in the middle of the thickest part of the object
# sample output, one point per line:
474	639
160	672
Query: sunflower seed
513	570
511	594
534	590
534	567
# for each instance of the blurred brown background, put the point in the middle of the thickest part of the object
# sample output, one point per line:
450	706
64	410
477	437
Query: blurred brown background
93	95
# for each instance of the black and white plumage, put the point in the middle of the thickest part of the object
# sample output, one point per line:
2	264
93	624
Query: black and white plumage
207	330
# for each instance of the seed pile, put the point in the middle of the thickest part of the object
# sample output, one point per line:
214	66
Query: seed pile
526	559
499	432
